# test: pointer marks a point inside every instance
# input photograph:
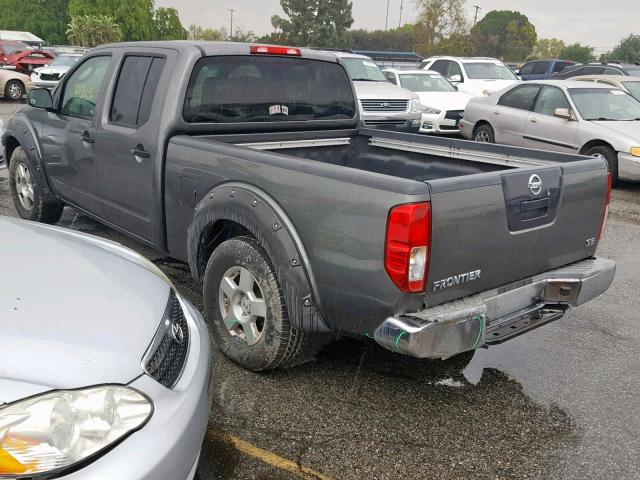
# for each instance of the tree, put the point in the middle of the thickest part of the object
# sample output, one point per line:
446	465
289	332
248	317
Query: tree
168	26
93	30
548	48
438	20
504	34
577	53
47	19
196	32
627	50
396	39
317	23
135	17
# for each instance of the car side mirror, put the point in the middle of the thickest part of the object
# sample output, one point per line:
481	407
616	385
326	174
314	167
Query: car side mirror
40	98
564	113
517	71
455	78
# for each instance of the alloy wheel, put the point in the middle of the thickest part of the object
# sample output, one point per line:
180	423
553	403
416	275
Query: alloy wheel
242	305
24	186
482	136
15	91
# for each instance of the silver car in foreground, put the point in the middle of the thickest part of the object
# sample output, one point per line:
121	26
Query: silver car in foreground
104	371
564	116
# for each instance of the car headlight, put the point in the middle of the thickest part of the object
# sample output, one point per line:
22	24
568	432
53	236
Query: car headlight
635	151
59	429
432	111
34	76
415	105
486	93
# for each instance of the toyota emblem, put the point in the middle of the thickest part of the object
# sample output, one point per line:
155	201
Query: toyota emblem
535	184
177	333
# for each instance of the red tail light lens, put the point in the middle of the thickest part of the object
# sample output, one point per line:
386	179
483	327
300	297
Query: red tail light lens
408	245
606	207
267	50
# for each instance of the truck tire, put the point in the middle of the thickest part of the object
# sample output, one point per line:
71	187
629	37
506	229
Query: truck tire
610	155
26	191
246	311
484	134
14	90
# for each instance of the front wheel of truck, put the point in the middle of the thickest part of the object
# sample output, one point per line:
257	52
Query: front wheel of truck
30	200
246	311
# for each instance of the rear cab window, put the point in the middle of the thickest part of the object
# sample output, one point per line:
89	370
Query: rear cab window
240	88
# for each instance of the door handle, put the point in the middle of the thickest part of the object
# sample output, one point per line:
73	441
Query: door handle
496	112
86	138
533	120
140	153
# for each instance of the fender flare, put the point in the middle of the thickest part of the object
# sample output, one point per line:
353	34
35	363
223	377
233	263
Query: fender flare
21	131
253	209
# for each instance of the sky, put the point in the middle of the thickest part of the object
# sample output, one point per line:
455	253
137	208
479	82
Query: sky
581	21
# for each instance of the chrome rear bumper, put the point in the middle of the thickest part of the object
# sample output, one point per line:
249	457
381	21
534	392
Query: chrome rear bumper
496	315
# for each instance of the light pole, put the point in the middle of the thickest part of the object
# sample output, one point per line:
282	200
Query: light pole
386	20
400	17
475	18
231	24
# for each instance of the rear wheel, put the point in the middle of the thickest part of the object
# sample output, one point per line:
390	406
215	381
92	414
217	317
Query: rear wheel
610	155
14	90
484	134
27	192
245	308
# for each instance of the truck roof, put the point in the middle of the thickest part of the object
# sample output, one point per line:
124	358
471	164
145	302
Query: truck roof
216	48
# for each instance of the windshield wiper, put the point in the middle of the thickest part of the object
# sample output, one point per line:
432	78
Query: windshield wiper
366	80
602	119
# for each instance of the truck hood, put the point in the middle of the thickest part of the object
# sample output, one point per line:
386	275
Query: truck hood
381	90
48	70
75	310
477	87
629	129
445	100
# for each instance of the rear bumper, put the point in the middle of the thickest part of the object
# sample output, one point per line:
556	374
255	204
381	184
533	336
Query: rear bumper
466	129
496	315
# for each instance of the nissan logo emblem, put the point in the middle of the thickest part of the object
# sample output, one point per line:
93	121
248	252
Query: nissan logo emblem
177	333
535	184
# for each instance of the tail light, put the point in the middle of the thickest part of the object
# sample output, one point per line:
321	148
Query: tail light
407	246
268	50
606	207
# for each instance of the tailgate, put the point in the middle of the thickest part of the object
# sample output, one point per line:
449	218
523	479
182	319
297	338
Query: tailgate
492	229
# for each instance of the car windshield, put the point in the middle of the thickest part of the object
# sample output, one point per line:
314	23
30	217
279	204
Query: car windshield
634	89
10	49
633	71
605	104
488	71
418	82
364	70
64	61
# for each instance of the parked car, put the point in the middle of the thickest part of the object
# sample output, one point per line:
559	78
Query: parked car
14	85
2	159
442	104
49	76
382	105
26	61
542	69
599	68
564	116
102	359
246	162
629	84
477	76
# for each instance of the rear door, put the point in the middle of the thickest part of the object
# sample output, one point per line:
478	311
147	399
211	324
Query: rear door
510	116
544	130
129	132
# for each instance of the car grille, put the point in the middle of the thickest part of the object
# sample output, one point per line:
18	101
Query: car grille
449	127
454	114
384	105
374	123
49	77
165	359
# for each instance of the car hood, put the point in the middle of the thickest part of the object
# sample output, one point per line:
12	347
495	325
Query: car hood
477	87
381	90
445	100
75	310
51	70
630	129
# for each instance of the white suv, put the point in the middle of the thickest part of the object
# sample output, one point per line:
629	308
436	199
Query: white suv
477	76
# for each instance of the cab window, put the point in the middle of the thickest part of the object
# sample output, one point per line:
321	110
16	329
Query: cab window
83	87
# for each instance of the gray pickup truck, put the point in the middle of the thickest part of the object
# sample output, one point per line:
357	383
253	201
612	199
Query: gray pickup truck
245	162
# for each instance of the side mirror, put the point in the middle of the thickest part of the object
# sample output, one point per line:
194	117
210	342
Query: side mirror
517	71
40	98
564	113
455	78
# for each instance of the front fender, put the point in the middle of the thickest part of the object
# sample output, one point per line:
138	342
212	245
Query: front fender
257	212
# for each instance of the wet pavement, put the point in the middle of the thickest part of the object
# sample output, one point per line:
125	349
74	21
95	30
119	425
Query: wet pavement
561	402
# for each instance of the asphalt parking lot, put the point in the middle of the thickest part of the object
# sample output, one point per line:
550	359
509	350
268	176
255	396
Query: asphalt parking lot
562	402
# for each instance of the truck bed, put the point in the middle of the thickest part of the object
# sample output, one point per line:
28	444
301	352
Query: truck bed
338	187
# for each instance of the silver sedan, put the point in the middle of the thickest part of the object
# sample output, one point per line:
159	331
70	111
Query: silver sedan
105	367
564	116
